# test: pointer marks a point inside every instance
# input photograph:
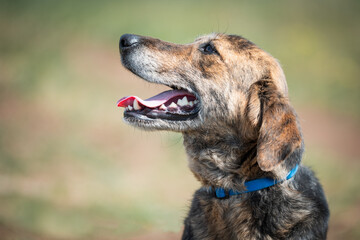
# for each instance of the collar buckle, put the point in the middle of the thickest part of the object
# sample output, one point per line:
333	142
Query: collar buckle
221	193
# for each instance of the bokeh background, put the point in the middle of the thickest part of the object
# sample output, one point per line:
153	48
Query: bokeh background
71	169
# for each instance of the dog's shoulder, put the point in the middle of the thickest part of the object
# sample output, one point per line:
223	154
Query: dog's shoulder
310	188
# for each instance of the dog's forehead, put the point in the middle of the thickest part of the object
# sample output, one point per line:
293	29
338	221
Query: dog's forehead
208	37
213	36
234	42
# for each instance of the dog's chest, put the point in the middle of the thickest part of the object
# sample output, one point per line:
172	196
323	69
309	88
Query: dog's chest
224	219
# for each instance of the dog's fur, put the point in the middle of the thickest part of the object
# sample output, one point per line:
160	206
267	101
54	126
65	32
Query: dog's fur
245	129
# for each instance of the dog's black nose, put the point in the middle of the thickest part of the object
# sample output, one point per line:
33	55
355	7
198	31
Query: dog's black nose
128	40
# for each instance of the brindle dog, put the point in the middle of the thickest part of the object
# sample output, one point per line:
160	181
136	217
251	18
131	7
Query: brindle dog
230	102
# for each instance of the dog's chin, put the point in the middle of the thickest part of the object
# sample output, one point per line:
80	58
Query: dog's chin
144	122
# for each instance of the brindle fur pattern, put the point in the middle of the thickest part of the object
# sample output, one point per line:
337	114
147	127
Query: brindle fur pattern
246	129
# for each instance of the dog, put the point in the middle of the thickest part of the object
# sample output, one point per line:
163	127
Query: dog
229	99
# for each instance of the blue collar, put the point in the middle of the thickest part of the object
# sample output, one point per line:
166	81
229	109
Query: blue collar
253	185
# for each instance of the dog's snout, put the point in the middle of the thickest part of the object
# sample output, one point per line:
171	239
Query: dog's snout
128	40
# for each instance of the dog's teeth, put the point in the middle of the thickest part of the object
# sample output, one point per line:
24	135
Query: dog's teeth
178	88
162	107
130	107
196	102
136	105
180	102
185	101
173	105
191	103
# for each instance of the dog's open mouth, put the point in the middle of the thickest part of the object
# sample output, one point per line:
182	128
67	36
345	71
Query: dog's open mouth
175	105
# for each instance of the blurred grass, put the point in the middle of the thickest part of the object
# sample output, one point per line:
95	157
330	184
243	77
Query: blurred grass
70	168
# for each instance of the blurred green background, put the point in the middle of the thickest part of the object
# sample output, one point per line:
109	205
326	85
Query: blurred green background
71	169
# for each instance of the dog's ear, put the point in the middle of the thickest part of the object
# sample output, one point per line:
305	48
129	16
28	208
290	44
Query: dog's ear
279	133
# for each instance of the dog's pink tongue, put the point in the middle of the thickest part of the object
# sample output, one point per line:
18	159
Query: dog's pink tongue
154	101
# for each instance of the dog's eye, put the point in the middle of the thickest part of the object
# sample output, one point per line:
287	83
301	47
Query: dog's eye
208	48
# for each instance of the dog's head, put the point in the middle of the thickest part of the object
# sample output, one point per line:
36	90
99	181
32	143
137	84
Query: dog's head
219	82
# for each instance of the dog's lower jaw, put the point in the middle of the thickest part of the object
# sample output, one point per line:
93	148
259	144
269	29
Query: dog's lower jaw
149	125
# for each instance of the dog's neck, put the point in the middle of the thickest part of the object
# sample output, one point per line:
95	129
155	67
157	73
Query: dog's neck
222	159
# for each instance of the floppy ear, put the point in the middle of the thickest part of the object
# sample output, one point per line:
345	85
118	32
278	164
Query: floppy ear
278	129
